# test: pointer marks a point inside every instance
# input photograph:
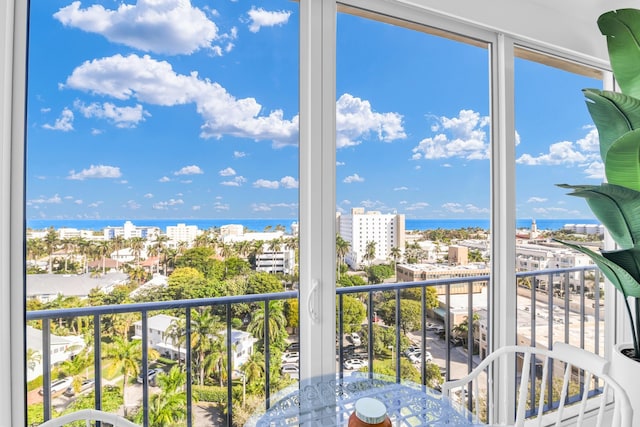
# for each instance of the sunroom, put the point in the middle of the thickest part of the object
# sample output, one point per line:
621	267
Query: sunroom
484	79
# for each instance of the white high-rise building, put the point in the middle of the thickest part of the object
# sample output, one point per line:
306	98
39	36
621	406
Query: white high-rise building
360	227
182	233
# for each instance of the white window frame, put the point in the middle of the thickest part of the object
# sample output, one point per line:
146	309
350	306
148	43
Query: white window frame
317	175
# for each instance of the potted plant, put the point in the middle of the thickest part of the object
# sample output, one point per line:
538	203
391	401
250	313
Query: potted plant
616	203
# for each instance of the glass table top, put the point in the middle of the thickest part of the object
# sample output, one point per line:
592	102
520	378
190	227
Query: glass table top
331	402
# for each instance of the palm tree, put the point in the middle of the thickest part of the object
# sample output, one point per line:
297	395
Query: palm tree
274	247
342	249
176	333
169	406
51	243
277	323
203	325
76	365
254	369
395	253
165	410
125	357
137	245
160	247
218	358
118	243
103	249
34	357
172	381
370	252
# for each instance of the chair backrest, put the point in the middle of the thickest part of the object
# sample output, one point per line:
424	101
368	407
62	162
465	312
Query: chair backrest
551	386
90	415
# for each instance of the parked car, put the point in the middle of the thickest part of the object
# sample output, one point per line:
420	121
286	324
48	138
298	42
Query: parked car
291	369
415	357
151	376
353	338
86	385
290	357
430	326
294	346
58	386
354	364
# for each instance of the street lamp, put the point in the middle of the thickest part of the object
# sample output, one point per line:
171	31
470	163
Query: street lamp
391	348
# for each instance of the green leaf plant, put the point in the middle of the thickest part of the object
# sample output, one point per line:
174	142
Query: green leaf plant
616	203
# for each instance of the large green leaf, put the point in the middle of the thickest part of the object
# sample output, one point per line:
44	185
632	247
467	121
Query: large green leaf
626	281
617	208
621	164
613	113
622	29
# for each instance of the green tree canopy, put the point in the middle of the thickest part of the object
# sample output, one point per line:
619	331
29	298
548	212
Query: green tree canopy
263	283
410	314
202	259
185	282
353	313
377	273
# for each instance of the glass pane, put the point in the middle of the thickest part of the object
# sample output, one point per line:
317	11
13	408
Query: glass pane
162	164
413	187
557	143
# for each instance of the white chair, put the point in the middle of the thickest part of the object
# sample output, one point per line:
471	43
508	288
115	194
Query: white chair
530	368
90	416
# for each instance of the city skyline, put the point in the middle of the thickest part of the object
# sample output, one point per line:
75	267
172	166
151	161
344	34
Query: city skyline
158	120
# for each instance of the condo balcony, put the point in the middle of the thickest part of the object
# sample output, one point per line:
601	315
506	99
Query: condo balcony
414	331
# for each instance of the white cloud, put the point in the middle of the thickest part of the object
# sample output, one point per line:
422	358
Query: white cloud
475	209
591	142
162	26
356	120
463	136
167	204
195	207
585	151
63	123
95	204
148	196
560	153
340	163
154	82
99	171
235	182
289	182
131	204
417	206
453	207
218	206
353	178
122	117
56	199
262	18
239	154
78	202
595	170
260	207
189	170
186	181
537	199
227	172
263	183
403	188
164	179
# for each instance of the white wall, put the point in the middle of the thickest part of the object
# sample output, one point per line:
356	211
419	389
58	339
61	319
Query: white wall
567	23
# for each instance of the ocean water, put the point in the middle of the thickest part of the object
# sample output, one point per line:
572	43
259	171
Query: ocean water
260	224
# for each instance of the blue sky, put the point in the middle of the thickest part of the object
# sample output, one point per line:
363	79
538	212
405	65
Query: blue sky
192	112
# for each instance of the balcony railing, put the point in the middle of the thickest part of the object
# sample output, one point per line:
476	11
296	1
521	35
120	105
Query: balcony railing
570	296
